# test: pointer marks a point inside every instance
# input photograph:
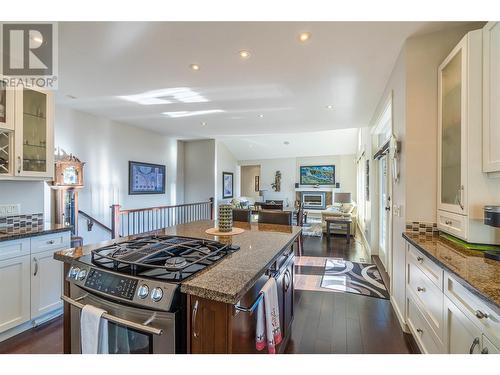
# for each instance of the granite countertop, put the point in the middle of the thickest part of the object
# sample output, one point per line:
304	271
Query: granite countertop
478	274
228	280
8	234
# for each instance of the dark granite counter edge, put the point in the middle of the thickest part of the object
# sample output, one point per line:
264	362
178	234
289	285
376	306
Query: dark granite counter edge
17	236
215	295
459	278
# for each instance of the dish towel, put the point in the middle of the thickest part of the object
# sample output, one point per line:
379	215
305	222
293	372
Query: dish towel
268	330
93	331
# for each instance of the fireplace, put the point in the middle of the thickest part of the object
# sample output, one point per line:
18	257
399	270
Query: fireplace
314	200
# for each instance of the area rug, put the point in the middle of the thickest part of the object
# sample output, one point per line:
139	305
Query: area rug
351	277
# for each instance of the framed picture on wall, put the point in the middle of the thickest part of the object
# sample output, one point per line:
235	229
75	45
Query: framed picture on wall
227	185
146	178
257	183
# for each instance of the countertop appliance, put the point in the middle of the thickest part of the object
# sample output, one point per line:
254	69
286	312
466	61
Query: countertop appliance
492	216
137	282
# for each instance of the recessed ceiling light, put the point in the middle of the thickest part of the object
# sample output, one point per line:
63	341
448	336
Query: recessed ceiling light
178	114
203	123
329	106
195	66
261	115
305	36
286	143
244	54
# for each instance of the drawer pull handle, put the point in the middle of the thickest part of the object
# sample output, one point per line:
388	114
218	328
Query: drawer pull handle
474	344
481	315
51	242
420	259
420	330
484	351
420	289
448	222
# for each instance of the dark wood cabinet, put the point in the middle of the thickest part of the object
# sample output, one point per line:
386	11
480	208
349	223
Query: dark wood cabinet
216	327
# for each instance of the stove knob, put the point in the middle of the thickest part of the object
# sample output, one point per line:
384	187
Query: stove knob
82	274
156	294
143	291
73	272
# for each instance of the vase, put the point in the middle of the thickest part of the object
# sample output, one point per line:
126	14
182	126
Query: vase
225	218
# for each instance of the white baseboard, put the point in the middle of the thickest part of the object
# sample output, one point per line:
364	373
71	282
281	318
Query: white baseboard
400	316
363	239
30	324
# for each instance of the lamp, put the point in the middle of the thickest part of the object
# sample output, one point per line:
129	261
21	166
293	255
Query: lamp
342	198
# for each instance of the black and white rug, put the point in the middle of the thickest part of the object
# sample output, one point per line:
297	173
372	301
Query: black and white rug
350	277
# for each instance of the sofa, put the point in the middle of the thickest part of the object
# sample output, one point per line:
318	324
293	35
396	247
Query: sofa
336	210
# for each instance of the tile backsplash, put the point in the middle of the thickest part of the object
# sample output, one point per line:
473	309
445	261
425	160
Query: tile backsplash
422	227
21	221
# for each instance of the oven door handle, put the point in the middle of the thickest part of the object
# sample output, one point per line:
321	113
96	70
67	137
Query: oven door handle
120	321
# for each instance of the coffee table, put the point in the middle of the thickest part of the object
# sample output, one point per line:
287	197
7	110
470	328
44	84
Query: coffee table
344	223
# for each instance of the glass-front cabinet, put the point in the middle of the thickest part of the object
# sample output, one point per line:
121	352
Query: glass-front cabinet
452	145
34	142
6	130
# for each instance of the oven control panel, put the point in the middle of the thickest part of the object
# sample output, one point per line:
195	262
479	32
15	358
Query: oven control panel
141	292
112	284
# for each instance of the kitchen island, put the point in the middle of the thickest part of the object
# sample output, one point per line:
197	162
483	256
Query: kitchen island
220	300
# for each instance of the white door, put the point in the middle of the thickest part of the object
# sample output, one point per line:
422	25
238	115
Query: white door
46	283
14	292
384	211
462	335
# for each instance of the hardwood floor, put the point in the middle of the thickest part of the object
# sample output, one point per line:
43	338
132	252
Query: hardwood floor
325	322
45	339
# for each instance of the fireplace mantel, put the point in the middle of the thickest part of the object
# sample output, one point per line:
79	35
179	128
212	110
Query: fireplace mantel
313	189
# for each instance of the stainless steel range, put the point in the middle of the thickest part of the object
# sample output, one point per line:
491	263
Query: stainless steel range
137	282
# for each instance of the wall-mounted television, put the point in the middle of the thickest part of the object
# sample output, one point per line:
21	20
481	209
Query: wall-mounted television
146	178
317	175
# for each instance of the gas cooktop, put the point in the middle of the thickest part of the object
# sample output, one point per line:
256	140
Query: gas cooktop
159	257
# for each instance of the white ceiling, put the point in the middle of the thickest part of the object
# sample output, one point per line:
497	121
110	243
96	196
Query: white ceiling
345	64
270	146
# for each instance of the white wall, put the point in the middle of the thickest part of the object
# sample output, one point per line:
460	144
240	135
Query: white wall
290	173
226	162
29	194
199	170
248	173
106	147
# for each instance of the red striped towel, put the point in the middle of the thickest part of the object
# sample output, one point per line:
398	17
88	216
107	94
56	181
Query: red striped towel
268	330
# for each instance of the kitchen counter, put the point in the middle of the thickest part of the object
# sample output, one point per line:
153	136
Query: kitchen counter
478	274
25	232
228	280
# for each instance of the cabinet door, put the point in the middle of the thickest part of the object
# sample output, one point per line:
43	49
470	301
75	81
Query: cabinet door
208	323
46	283
288	298
14	292
491	97
34	140
452	143
488	347
7	97
462	336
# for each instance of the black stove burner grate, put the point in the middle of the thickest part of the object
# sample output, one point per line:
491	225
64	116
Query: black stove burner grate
171	258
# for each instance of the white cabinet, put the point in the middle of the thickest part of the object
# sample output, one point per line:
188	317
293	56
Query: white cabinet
31	280
463	187
462	335
46	283
34	133
491	97
14	292
26	133
7	98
